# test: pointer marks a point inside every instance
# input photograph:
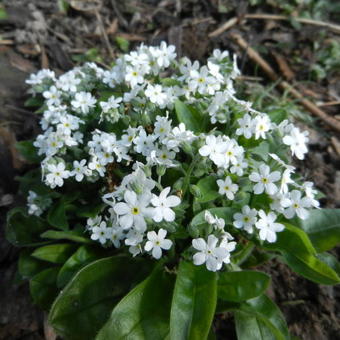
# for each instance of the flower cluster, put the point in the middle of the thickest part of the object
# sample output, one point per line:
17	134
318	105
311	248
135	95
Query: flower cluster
148	132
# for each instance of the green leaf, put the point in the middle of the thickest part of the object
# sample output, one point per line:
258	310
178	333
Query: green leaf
242	285
57	215
323	228
144	313
55	253
43	287
85	303
251	327
122	43
299	254
28	266
34	101
89	211
262	150
208	189
75	236
3	13
28	151
259	319
23	229
193	303
312	268
292	240
191	117
82	257
331	261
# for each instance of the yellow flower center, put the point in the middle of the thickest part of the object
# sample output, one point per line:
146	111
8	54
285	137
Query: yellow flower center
135	211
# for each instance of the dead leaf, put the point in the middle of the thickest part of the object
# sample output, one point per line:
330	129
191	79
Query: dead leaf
131	37
86	5
17	61
44	58
8	139
112	29
28	49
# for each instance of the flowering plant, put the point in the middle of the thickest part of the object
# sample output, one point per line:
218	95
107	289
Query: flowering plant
159	189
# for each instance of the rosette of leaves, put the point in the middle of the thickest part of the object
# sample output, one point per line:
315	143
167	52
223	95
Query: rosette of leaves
96	292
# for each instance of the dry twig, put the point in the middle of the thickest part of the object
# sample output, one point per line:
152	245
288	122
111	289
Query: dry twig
311	107
104	34
233	21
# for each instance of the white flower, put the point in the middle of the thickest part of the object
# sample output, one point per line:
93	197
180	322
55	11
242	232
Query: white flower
226	247
52	95
40	76
95	165
144	143
156	95
133	76
232	152
297	205
162	126
115	235
265	180
112	103
217	223
262	125
100	233
56	175
246	219
227	187
267	226
208	253
213	149
80	170
157	242
164	54
68	82
238	167
133	210
297	141
310	192
93	222
83	101
246	126
162	205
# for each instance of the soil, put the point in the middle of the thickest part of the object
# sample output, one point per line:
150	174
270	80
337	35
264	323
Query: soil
39	34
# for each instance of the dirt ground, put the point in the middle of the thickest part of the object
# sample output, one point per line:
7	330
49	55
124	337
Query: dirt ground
42	34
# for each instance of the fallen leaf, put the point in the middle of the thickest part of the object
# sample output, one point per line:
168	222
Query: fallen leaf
86	5
8	138
20	63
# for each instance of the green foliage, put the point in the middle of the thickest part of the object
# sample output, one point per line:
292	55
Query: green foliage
193	303
85	303
23	229
190	116
242	285
122	43
55	253
300	255
208	189
144	312
43	287
323	228
260	318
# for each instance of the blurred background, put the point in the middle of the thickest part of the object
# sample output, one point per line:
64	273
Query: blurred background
289	55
